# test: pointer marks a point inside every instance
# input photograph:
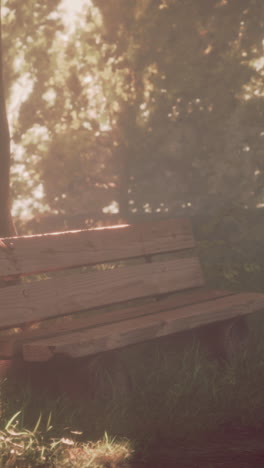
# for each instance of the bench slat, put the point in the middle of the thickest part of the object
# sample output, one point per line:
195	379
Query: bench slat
49	252
144	328
11	345
29	302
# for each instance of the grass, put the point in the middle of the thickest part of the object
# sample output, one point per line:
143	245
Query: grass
182	404
20	447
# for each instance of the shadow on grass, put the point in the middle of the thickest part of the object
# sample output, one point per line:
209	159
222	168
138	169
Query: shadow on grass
182	408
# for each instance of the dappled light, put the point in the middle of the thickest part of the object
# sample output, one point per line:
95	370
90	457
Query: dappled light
131	233
102	109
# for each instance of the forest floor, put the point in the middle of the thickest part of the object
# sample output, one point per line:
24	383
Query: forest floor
183	409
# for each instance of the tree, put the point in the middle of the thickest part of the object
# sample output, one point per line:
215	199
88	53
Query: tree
193	69
6	224
144	94
29	30
64	124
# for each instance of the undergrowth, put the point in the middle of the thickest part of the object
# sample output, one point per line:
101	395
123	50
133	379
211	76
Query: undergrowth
179	398
20	447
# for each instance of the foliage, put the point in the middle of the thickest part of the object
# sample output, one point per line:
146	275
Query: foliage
190	110
114	108
29	30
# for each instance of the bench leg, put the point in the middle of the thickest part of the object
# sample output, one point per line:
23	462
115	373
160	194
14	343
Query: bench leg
107	375
104	375
226	339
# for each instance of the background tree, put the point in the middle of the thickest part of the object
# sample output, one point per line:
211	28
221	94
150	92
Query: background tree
194	81
154	94
6	225
29	30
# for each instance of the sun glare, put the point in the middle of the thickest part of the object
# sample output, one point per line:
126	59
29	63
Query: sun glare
72	8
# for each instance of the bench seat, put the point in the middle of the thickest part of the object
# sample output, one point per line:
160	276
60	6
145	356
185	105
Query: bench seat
111	288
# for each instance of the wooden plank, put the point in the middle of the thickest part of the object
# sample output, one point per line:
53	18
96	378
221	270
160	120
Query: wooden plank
144	328
11	345
49	252
40	300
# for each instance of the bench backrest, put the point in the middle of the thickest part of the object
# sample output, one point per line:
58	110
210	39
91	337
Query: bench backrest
85	277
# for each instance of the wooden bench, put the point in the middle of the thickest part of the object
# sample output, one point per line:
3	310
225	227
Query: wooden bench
84	292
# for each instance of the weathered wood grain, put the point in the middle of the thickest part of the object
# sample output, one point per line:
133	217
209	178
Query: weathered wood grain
40	300
11	345
49	252
143	328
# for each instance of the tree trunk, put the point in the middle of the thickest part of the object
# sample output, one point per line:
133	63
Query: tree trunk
123	182
6	224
